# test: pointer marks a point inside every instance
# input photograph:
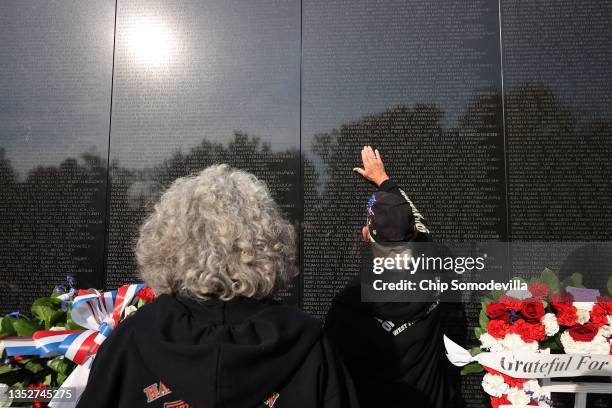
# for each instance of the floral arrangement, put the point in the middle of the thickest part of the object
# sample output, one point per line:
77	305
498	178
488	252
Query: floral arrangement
543	319
51	313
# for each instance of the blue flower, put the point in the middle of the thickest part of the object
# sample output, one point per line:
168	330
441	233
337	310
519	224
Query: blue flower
70	279
65	304
16	314
60	289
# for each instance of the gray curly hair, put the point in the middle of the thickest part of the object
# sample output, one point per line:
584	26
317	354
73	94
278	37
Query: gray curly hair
217	233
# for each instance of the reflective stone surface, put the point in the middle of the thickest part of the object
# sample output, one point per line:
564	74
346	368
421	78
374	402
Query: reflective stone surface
198	83
55	90
558	96
495	117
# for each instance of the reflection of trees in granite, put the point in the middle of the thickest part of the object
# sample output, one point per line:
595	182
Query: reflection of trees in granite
48	222
280	169
454	175
559	184
53	221
559	168
7	174
7	186
549	144
445	170
463	164
133	191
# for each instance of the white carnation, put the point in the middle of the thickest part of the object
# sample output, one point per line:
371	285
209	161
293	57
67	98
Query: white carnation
514	342
516	396
497	348
567	342
605	331
584	316
64	296
5	399
519	294
551	326
534	387
130	310
599	345
494	385
587	306
488	342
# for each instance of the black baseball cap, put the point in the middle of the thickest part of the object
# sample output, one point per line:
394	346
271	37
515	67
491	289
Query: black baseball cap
389	218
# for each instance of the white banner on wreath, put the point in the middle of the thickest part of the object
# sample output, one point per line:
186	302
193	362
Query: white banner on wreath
533	365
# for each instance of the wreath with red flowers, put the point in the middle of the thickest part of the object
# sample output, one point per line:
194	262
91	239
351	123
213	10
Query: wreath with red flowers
546	319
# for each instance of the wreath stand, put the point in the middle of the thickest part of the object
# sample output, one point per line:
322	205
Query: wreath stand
579	389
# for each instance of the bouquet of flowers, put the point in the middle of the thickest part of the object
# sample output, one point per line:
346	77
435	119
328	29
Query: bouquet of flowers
51	315
543	319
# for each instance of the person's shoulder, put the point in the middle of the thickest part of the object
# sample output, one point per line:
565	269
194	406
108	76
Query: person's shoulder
292	314
143	317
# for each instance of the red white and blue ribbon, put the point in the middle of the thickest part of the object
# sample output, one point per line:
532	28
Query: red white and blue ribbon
99	313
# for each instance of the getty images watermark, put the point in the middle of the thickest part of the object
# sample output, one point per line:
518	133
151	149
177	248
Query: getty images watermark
460	271
410	264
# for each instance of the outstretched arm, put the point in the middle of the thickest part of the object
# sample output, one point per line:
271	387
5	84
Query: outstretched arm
374	171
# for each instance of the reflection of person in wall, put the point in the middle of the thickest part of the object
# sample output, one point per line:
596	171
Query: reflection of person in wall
215	249
394	351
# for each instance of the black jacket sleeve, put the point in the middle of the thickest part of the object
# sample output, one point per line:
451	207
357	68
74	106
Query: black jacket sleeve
336	386
421	233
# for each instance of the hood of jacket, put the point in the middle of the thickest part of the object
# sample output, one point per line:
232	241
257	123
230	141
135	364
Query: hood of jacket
216	353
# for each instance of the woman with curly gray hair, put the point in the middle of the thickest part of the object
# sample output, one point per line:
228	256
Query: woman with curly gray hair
219	233
215	249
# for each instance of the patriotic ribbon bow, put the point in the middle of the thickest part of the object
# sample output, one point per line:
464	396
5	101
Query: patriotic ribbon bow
99	313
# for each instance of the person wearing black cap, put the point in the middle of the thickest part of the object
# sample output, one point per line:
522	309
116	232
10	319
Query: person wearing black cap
393	351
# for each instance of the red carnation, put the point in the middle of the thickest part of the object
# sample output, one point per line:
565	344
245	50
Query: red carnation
566	313
529	332
532	309
510	302
599	315
583	332
146	294
497	401
498	328
498	311
511	381
606	303
539	290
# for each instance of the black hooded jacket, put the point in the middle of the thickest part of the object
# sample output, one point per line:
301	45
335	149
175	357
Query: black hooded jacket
178	352
394	350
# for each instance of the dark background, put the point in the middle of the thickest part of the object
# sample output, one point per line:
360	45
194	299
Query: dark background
495	117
